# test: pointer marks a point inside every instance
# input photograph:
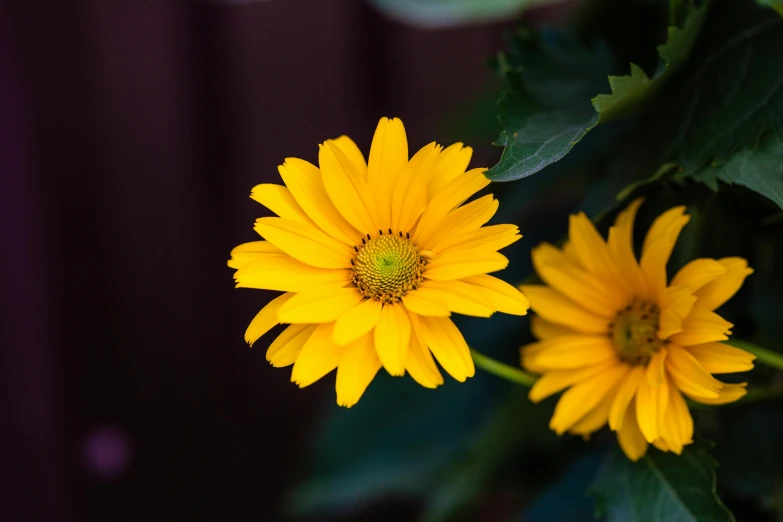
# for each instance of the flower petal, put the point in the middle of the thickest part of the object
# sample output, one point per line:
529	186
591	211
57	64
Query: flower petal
320	305
729	393
348	191
502	296
319	356
566	353
279	200
247	253
420	364
658	245
392	337
677	426
620	245
470	216
266	319
542	329
651	402
447	345
689	375
388	158
595	419
722	288
722	358
580	399
630	437
349	148
555	381
425	302
556	308
452	162
357	321
453	194
305	243
303	179
698	273
624	396
457	265
357	368
702	326
286	274
285	349
460	297
494	237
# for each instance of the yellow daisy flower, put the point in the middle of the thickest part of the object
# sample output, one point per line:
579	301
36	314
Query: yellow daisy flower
626	344
373	259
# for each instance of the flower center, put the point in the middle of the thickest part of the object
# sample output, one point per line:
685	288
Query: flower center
387	266
634	332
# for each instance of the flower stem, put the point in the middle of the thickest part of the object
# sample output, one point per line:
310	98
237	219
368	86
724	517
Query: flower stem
502	370
763	355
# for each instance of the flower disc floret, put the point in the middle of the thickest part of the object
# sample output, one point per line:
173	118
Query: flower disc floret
387	267
634	332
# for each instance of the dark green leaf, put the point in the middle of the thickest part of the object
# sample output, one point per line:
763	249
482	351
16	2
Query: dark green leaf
661	487
553	92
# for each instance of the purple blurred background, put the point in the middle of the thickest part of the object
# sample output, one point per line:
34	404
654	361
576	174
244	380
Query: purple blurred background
131	134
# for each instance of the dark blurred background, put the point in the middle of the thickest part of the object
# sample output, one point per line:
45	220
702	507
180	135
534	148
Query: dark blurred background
131	134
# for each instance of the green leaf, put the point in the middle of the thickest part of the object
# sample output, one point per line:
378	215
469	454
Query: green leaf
661	487
759	168
553	99
631	92
445	13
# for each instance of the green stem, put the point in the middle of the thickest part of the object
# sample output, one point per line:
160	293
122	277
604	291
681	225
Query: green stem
502	370
763	355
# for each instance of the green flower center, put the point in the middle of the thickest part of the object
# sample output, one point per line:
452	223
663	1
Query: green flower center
634	332
387	266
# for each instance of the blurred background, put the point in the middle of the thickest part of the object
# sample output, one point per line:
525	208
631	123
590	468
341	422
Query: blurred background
131	134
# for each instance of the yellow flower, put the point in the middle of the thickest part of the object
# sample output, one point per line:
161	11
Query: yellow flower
373	259
627	344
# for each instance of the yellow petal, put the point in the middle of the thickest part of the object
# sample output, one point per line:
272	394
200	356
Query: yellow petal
675	302
656	368
388	157
658	245
266	319
580	286
451	163
286	274
410	192
542	329
651	402
453	194
447	345
594	419
285	349
420	364
565	353
470	216
457	265
677	427
620	246
556	308
553	382
357	368
722	358
689	375
669	324
592	251
353	153
357	321
348	191
303	179
729	393
494	237
320	305
580	399
702	326
425	302
305	243
698	273
460	297
622	399
247	253
279	200
722	288
319	356
392	337
502	296
630	437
